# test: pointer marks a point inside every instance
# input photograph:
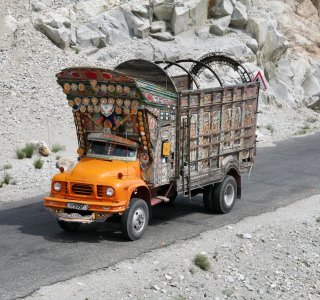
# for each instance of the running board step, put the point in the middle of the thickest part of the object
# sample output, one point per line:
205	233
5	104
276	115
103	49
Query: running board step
159	199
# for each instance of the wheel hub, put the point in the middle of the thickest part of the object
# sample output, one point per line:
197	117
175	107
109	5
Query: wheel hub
229	195
139	219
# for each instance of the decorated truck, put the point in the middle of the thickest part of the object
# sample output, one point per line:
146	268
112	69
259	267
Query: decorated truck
146	137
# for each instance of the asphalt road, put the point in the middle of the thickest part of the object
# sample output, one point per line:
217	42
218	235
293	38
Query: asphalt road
34	251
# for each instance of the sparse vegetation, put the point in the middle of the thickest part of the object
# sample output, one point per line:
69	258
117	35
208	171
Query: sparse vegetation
57	147
28	150
6	167
202	262
304	130
306	127
38	163
270	128
6	178
20	154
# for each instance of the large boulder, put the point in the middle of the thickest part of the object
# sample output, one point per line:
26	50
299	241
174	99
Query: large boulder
316	3
113	26
239	16
163	9
163	36
275	45
219	26
158	26
56	28
188	13
258	27
220	8
141	27
105	29
88	37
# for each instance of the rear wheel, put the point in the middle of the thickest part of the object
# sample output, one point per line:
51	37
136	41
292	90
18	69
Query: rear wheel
207	197
135	219
224	195
220	198
69	226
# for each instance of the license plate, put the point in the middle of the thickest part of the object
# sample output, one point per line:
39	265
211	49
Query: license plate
77	206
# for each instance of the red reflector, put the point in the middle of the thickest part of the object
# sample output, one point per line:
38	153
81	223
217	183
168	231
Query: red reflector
120	175
90	75
61	169
106	75
75	74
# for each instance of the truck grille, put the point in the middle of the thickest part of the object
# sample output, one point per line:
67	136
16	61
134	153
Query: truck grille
101	190
82	189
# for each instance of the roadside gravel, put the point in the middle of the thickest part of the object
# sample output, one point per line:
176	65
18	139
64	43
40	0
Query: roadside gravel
272	256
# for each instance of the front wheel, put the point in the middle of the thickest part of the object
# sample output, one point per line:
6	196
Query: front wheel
69	226
135	219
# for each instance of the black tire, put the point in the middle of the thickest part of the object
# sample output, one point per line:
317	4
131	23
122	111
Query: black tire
207	197
134	220
224	195
69	226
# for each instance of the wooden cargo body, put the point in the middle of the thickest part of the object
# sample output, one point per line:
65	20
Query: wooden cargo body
217	132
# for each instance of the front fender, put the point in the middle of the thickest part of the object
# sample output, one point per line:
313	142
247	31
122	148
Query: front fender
132	188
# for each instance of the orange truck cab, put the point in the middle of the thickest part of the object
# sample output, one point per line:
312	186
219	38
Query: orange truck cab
145	137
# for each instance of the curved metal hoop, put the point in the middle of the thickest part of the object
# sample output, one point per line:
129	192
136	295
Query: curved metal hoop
171	63
222	59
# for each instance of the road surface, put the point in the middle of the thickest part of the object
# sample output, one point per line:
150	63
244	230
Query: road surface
36	252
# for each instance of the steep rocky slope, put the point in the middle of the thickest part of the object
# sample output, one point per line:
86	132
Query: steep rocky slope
39	38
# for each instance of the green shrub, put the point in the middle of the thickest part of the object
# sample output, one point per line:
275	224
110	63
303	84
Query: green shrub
20	154
6	167
270	128
38	163
57	147
6	178
29	150
202	262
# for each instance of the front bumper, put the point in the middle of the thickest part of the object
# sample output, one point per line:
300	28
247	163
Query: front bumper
96	210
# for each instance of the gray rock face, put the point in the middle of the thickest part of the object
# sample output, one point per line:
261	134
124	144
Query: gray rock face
113	26
239	16
253	45
158	26
275	45
56	28
38	6
163	36
220	8
187	14
257	26
142	31
219	26
87	37
163	9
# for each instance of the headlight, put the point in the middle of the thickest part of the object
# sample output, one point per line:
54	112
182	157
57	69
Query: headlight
57	186
109	191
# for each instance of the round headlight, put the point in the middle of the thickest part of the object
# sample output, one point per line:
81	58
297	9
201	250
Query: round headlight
57	186
109	191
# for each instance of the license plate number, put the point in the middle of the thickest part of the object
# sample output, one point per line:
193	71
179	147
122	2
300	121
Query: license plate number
77	206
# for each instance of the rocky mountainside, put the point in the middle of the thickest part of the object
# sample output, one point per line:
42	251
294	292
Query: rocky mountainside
39	38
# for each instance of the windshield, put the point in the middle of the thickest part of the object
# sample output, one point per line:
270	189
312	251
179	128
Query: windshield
111	151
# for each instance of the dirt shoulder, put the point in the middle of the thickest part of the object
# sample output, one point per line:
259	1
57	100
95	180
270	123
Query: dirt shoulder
272	256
